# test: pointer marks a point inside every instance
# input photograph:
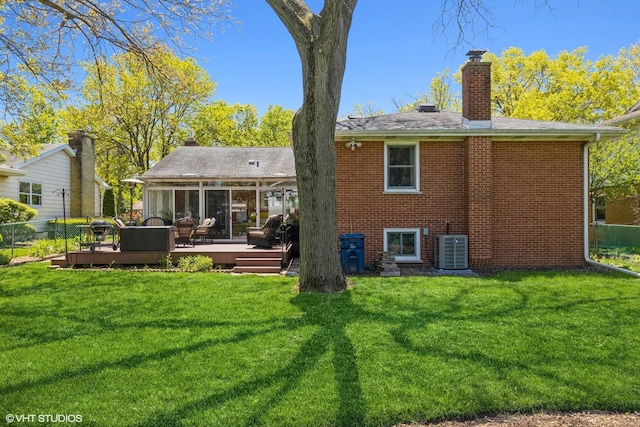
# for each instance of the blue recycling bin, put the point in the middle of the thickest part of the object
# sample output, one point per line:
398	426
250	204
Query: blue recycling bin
352	253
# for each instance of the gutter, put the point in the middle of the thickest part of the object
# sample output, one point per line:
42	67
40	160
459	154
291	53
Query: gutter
587	258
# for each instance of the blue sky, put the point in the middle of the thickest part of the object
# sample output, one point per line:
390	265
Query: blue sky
393	53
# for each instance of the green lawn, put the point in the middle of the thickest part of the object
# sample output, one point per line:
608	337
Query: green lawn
210	349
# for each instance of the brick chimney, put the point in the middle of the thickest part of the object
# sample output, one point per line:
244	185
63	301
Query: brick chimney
83	175
191	142
476	91
478	167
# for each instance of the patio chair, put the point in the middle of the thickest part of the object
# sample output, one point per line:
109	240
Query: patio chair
206	230
267	235
155	221
185	231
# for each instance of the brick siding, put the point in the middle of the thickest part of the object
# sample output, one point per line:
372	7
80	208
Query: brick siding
525	212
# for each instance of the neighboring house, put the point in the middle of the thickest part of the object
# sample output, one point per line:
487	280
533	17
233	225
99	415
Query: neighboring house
237	186
36	181
516	189
623	210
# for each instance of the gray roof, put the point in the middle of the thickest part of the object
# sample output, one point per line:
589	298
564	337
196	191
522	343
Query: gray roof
225	163
632	115
448	124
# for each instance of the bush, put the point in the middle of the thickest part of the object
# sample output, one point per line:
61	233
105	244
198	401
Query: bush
12	211
4	259
108	204
17	233
195	263
44	248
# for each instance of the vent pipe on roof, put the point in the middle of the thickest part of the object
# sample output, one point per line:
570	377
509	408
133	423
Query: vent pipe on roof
427	108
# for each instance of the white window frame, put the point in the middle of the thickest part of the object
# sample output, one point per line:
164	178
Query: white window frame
30	194
416	147
599	203
404	258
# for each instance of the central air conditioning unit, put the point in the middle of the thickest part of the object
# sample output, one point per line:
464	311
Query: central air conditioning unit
452	252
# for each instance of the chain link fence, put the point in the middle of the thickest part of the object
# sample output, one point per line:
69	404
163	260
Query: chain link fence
617	245
44	237
614	237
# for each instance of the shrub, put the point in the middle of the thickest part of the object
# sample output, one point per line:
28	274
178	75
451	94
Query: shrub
17	233
44	248
195	263
166	261
108	204
12	211
4	259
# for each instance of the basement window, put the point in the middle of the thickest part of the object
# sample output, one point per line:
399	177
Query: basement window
403	243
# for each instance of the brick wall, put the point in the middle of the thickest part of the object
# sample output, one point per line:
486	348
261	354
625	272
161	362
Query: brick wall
363	207
538	204
535	193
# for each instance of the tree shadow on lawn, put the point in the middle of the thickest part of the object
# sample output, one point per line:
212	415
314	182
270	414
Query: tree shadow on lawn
330	317
331	314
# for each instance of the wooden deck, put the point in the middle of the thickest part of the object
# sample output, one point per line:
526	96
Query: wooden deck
244	258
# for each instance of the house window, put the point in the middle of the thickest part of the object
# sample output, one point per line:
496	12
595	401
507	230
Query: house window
403	243
30	193
401	167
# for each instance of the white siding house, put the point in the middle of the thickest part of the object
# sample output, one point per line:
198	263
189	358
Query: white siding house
39	180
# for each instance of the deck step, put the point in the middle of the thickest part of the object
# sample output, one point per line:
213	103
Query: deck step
261	261
256	269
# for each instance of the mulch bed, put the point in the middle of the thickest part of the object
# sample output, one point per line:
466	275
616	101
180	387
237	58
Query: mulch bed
545	419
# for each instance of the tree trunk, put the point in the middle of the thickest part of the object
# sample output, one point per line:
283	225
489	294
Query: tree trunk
321	41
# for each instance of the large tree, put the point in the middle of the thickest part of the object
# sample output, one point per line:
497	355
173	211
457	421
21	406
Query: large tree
41	40
567	87
321	41
139	117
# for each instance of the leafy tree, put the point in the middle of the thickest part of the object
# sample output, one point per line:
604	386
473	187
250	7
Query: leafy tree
440	94
32	119
42	40
237	125
219	123
567	88
138	117
275	126
368	110
613	171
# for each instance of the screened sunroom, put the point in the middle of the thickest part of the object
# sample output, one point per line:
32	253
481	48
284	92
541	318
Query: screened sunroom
239	187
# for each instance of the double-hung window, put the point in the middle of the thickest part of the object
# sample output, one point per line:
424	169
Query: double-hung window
402	168
403	243
30	193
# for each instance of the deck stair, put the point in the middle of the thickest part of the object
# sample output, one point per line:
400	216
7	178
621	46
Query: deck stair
272	265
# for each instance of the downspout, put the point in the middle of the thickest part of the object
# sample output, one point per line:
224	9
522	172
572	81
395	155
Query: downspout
587	204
